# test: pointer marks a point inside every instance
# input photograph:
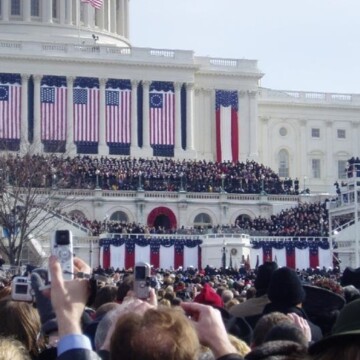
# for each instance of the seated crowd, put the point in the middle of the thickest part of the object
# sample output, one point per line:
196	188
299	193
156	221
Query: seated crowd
264	313
126	173
305	219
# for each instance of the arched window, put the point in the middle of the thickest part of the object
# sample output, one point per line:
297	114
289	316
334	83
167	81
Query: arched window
119	216
283	163
77	215
243	221
202	220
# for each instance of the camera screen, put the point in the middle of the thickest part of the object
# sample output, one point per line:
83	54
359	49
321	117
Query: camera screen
21	289
62	237
140	272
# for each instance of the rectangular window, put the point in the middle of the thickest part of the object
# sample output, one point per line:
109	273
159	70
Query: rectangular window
283	171
315	133
35	8
315	167
342	164
341	134
15	8
54	9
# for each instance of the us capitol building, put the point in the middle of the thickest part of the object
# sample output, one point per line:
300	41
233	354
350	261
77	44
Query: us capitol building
71	82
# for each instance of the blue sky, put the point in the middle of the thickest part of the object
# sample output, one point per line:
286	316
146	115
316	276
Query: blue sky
310	45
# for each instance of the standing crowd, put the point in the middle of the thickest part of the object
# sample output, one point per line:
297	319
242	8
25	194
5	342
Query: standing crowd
267	313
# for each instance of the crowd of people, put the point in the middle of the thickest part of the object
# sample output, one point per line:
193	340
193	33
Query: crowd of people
305	219
126	173
264	313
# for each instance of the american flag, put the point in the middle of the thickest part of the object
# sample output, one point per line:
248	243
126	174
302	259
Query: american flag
94	3
227	126
10	111
86	114
53	112
162	117
118	116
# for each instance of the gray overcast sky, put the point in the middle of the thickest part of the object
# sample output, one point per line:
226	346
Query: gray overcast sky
309	45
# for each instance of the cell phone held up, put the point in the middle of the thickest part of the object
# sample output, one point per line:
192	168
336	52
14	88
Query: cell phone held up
62	248
142	280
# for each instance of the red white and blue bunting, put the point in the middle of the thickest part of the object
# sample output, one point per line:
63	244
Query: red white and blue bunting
124	251
297	253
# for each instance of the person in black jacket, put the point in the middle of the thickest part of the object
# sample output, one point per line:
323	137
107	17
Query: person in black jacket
286	295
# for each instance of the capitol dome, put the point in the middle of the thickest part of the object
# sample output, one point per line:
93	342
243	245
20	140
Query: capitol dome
65	21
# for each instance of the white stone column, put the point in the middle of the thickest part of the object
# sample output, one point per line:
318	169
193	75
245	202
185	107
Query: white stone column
253	112
264	151
244	124
106	16
177	117
303	150
189	116
24	130
69	11
26	11
47	7
120	18
146	115
113	16
355	138
37	145
330	176
100	17
5	9
134	117
126	18
62	15
102	118
205	113
70	146
87	9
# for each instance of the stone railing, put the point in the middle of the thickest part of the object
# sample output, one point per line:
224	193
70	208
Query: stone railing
307	97
133	54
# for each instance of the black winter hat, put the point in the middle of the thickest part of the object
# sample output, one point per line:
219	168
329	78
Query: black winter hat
263	276
285	287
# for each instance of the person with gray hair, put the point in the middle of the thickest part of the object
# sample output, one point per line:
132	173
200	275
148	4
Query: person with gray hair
227	295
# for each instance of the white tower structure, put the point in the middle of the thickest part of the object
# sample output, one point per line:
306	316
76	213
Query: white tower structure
65	21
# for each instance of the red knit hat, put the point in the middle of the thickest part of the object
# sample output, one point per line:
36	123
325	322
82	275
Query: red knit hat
208	296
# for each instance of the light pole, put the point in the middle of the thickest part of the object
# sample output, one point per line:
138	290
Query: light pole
140	188
262	192
181	181
97	173
53	178
356	198
305	177
223	176
321	226
223	260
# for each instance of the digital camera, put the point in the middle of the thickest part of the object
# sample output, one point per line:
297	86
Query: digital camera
62	248
21	289
142	280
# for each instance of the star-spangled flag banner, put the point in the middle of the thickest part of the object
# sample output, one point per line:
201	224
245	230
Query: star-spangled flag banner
97	4
162	117
86	114
53	101
118	116
227	134
10	111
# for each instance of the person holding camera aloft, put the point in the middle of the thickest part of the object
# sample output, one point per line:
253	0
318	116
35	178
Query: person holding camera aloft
142	331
